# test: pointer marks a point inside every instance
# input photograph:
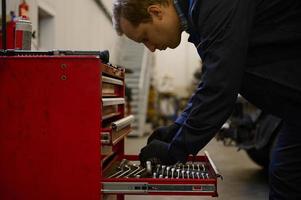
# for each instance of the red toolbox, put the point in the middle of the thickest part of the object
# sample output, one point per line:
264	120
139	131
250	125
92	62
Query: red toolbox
62	133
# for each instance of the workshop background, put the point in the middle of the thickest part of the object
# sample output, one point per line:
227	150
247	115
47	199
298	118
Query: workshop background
158	84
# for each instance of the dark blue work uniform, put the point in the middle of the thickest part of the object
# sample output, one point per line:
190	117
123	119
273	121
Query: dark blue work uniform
251	47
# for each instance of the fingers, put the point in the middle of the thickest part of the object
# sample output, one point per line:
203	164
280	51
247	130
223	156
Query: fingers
164	133
158	134
156	150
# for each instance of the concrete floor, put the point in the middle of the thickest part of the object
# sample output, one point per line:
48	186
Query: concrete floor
243	180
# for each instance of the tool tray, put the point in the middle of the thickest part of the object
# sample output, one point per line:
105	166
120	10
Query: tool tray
201	178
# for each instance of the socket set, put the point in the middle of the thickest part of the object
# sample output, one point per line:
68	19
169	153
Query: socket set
193	170
196	177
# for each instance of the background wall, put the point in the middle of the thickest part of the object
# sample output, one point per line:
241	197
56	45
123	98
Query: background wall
71	24
81	25
174	68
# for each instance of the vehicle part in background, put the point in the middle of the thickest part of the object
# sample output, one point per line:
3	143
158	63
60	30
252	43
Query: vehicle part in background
266	133
252	130
23	34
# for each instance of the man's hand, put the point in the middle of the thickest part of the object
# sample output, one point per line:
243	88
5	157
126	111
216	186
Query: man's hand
156	150
164	133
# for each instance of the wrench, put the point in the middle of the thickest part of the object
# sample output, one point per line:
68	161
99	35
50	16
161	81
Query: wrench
125	172
167	170
158	168
163	168
139	172
116	173
183	173
137	168
121	167
149	167
198	175
172	172
187	172
178	171
204	169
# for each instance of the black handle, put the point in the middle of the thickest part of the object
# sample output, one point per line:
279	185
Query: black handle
4	24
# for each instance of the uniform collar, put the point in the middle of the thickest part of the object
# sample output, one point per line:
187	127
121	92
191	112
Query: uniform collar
182	8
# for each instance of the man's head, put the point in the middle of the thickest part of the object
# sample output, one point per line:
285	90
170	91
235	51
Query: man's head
154	23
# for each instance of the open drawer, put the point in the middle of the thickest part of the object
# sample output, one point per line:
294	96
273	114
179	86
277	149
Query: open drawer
196	177
117	131
112	87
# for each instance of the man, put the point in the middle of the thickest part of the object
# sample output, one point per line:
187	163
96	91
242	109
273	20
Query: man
251	47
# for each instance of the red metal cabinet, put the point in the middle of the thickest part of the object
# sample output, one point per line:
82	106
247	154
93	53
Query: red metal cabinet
50	119
57	136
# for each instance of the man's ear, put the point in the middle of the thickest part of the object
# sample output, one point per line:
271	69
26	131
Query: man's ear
156	11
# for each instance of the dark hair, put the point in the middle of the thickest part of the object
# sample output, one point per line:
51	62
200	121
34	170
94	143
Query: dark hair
135	11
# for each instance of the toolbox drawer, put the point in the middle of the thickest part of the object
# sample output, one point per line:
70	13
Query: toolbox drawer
205	183
118	130
112	87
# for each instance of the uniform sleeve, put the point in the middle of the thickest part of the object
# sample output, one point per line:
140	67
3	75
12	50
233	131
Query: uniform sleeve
223	28
183	116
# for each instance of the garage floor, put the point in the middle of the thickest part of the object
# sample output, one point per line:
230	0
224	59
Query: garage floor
243	180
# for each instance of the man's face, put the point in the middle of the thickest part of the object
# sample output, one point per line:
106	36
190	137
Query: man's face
164	31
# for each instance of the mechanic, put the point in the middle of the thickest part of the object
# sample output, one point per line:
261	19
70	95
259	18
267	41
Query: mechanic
248	47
